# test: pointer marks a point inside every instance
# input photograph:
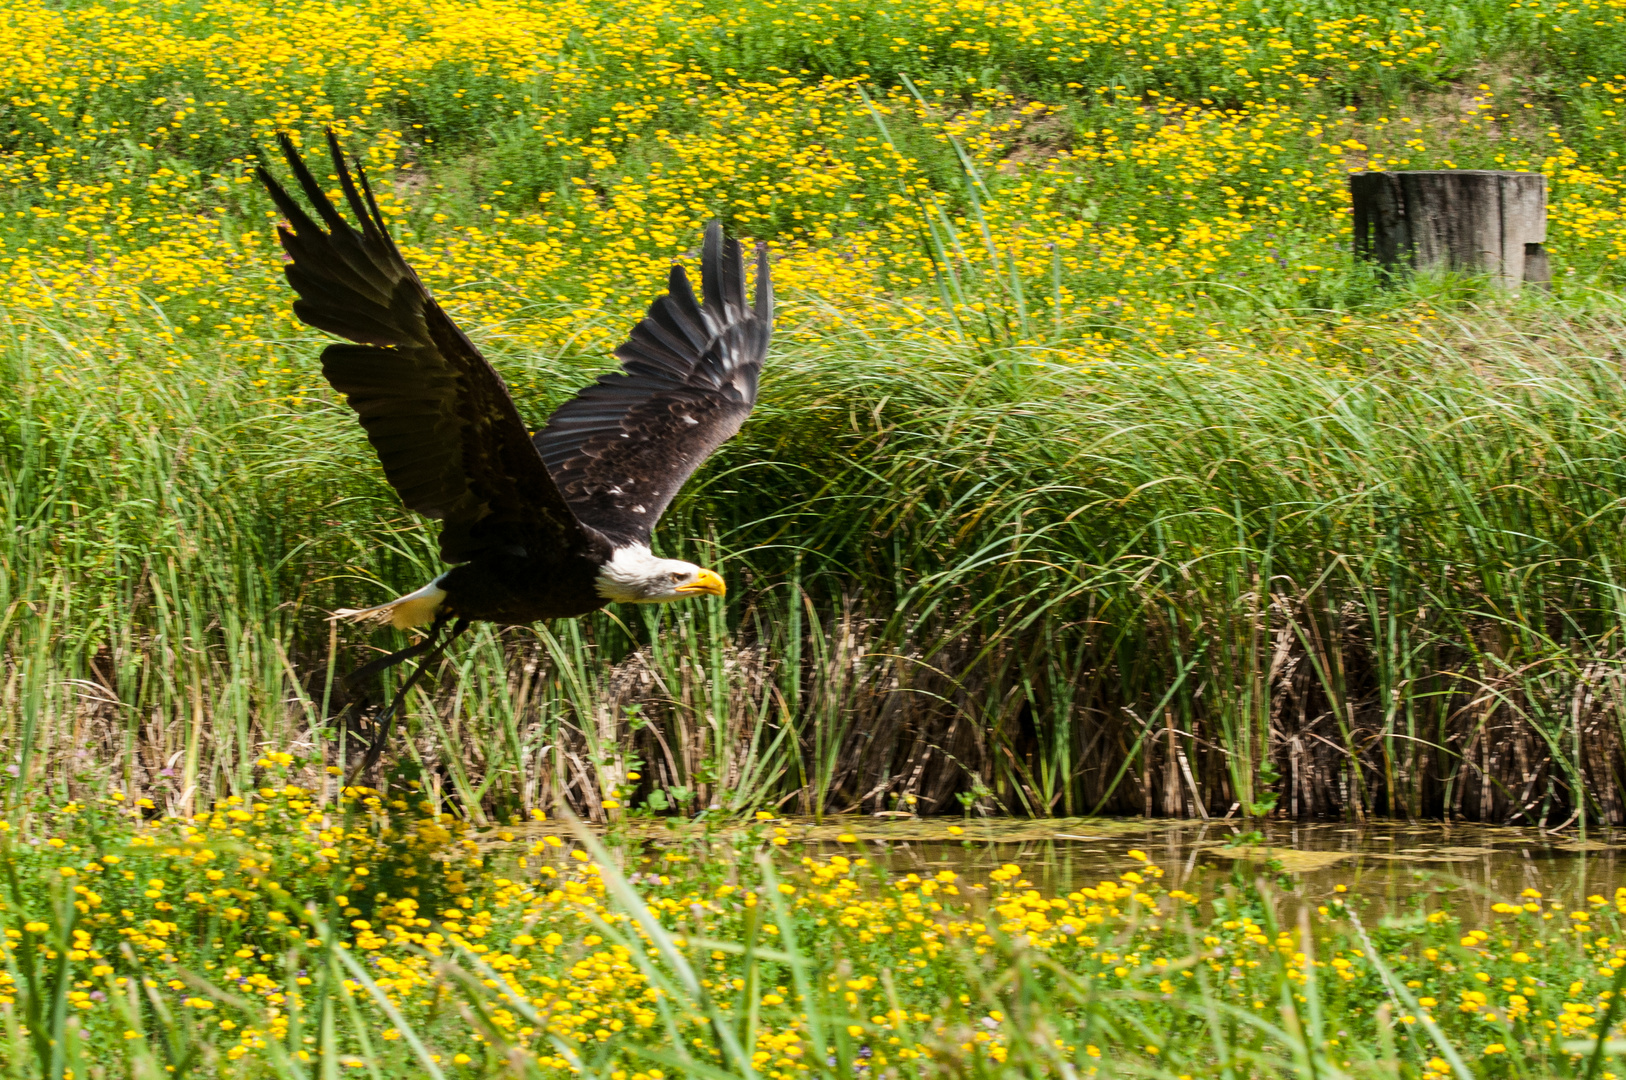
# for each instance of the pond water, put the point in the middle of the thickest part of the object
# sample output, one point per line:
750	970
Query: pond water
1391	864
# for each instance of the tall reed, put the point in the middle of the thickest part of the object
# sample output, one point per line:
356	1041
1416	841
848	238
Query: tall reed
990	577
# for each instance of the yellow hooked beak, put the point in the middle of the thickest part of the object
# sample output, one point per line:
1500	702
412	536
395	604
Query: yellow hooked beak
704	582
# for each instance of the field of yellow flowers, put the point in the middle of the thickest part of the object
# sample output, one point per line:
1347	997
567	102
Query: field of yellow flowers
312	929
1091	472
544	162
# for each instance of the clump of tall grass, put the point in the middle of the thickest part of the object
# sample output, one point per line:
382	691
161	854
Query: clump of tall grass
1386	585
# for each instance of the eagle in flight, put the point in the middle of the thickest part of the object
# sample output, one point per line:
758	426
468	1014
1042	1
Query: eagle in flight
548	527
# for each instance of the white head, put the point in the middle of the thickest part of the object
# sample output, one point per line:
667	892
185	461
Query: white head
635	576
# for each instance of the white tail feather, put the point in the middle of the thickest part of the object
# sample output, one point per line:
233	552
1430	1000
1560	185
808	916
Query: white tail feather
404	612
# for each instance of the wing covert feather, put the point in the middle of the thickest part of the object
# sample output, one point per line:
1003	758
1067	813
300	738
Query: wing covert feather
622	448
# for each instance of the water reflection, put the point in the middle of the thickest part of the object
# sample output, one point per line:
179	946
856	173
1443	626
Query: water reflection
1393	865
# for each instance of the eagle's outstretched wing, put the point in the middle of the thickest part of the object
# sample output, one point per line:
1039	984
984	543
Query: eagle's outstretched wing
445	429
622	447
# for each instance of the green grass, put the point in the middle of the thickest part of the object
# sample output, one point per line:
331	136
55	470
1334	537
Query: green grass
1000	553
302	932
1090	475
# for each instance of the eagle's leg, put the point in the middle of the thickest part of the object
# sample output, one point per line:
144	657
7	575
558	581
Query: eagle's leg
382	727
368	670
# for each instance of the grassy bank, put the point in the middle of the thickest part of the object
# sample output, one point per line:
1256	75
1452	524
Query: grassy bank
1090	473
306	931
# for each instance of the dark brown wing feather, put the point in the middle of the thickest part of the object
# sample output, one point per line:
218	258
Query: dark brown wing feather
622	448
445	429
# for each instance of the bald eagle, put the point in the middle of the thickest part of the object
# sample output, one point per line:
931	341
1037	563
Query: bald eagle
548	527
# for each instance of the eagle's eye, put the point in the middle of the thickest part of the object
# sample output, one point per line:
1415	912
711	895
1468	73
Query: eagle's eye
678	576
